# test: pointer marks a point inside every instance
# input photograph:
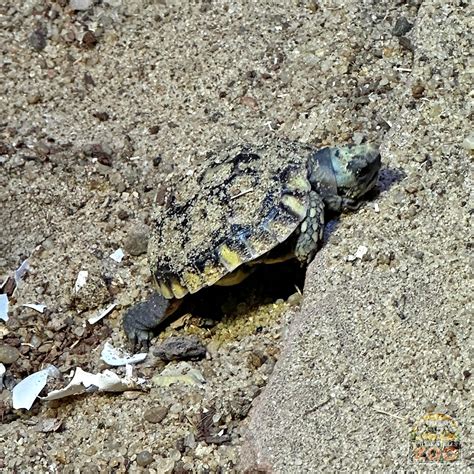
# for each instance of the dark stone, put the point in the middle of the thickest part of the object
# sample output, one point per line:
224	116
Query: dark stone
89	40
37	39
8	354
101	152
136	242
88	79
4	149
156	414
102	116
157	160
123	215
215	439
402	26
417	91
406	43
180	348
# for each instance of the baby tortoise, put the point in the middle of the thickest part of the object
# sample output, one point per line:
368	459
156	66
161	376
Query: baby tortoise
247	205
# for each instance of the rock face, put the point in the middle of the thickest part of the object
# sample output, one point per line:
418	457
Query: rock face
382	341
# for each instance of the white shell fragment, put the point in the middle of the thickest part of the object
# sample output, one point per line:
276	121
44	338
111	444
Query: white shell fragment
117	256
2	373
117	357
360	253
4	307
84	381
37	307
20	271
81	280
25	393
180	373
102	314
193	377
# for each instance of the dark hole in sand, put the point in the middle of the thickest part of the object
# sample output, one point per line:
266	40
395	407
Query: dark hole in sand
267	284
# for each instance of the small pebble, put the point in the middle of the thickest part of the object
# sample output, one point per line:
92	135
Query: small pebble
295	299
155	415
406	43
123	215
402	26
468	143
131	394
80	4
37	40
4	149
256	359
180	348
145	458
418	91
101	116
249	102
189	441
89	40
8	354
136	242
33	99
164	465
418	254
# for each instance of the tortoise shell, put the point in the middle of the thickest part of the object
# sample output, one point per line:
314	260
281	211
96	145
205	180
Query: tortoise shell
238	205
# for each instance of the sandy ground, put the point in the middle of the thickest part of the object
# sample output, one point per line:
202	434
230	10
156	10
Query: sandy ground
101	107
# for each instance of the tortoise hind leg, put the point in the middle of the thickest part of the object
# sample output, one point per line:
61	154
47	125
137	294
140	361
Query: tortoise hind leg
311	230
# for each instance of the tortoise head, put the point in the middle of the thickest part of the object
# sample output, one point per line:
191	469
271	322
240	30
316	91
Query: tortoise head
342	175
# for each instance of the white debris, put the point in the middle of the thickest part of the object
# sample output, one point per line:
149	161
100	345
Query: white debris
193	377
117	357
2	373
468	143
81	280
107	381
117	256
48	425
4	307
360	253
376	207
80	4
102	314
182	372
37	307
20	271
24	393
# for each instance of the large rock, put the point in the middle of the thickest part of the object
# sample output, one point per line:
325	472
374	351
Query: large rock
380	342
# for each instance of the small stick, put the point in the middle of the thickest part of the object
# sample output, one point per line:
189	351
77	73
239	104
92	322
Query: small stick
242	193
378	410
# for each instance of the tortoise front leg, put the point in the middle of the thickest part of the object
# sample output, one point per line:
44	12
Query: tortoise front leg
311	230
142	318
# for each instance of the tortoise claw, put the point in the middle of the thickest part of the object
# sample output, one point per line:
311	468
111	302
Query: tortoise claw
141	319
